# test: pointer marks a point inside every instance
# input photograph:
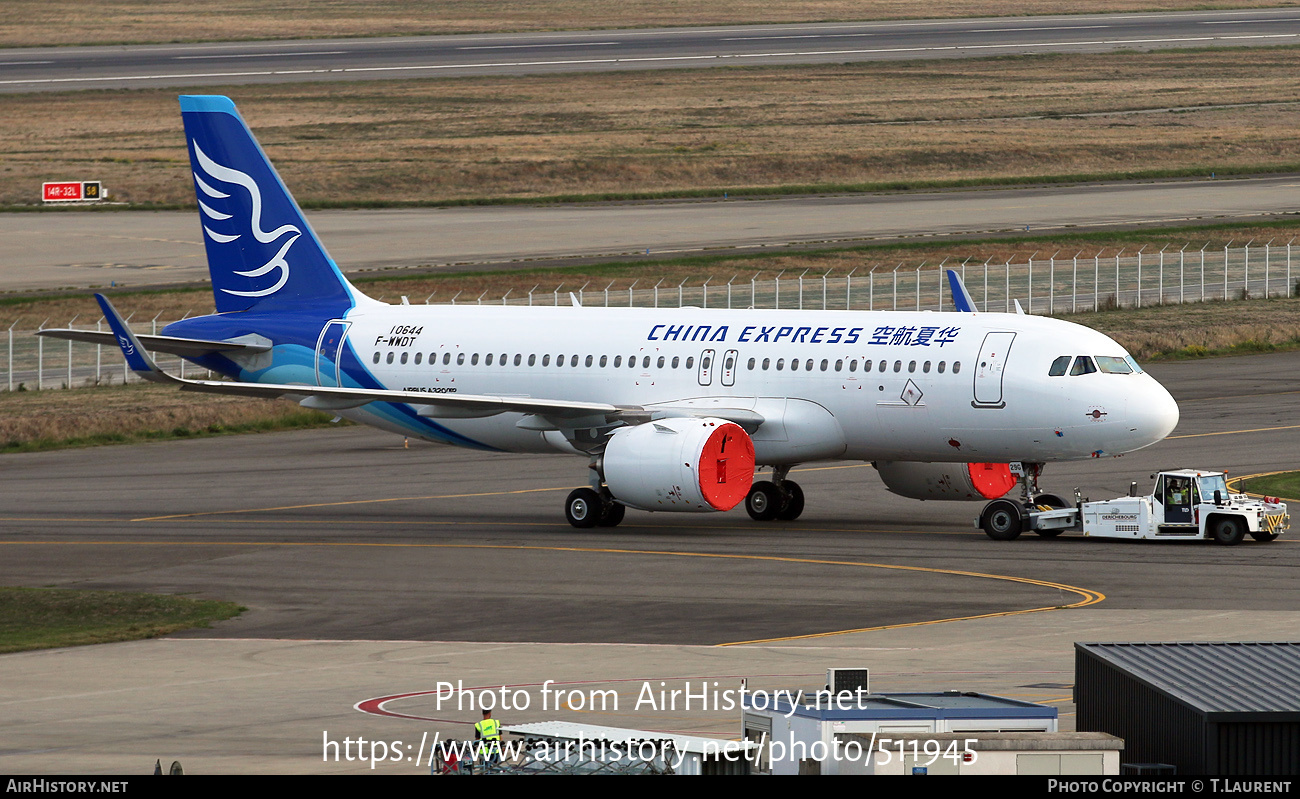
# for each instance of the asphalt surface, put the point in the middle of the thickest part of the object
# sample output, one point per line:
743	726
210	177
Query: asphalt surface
373	570
269	521
52	69
139	248
374	573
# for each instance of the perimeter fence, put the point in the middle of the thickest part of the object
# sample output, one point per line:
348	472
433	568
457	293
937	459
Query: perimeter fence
1053	285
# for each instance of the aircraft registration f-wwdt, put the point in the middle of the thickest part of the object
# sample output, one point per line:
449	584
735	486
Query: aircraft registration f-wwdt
672	408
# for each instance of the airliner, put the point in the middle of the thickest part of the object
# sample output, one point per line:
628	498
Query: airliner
673	409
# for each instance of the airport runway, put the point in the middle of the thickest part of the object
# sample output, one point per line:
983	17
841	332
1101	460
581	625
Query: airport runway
371	570
51	69
139	248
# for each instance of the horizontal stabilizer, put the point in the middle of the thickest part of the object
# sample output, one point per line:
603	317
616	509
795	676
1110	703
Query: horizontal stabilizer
172	345
326	397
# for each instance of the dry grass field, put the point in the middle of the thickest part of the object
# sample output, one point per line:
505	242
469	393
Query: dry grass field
25	23
133	413
638	133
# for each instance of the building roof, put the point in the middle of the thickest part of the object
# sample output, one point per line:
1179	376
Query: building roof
1219	679
935	704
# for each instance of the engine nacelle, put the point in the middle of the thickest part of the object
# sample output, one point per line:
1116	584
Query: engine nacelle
680	464
952	481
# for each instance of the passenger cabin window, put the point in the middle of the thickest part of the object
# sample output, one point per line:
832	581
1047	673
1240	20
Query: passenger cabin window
1059	366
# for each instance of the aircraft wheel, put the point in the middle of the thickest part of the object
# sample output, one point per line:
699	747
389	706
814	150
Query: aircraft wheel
793	506
612	515
1002	520
764	501
583	508
1227	530
1051	501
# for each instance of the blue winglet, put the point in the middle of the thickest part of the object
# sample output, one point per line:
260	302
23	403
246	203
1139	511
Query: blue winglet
135	354
961	298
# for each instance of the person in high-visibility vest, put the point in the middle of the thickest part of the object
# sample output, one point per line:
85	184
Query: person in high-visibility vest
489	729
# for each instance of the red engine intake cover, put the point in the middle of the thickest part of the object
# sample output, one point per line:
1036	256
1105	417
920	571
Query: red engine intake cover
726	466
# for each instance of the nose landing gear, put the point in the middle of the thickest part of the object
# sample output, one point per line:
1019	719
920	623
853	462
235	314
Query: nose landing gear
1004	519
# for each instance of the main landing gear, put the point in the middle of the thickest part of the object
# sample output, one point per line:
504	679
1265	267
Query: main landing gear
587	507
778	498
1004	519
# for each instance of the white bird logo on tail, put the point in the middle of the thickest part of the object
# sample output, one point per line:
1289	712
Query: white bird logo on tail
228	175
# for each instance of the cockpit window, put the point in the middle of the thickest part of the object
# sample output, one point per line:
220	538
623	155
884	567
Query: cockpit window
1134	364
1083	365
1059	366
1112	365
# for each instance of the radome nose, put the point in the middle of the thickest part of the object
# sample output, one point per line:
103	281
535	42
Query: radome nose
1152	413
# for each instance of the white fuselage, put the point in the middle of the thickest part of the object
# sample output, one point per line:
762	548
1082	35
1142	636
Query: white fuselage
829	384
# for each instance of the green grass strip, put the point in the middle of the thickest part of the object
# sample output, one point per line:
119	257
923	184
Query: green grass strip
42	618
1284	484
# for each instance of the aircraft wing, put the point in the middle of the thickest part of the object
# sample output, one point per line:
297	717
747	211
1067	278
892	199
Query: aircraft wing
172	345
329	398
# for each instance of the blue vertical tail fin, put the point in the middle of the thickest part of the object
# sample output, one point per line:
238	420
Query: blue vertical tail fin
261	252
